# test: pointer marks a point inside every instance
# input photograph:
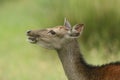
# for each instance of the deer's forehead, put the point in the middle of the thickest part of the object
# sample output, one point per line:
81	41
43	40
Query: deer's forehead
59	28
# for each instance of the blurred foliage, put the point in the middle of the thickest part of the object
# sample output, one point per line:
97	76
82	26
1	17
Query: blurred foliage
101	18
7	1
20	61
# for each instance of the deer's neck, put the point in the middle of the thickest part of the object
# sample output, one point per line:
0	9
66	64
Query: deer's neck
73	63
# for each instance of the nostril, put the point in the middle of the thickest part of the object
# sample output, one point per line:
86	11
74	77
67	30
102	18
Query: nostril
28	31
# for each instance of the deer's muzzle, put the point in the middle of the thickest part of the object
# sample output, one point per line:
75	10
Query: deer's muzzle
32	37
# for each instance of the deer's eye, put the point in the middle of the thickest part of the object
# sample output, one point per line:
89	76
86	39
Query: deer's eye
52	32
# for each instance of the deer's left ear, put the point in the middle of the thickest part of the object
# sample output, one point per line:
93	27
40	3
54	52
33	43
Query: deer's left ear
67	24
77	30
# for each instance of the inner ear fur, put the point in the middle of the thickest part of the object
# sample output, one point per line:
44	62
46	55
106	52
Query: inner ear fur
77	30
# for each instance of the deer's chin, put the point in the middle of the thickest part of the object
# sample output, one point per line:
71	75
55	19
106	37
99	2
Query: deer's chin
33	42
44	45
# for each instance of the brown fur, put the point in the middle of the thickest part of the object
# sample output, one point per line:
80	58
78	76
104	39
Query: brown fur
109	72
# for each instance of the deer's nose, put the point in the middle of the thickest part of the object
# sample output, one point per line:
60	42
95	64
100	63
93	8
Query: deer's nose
28	31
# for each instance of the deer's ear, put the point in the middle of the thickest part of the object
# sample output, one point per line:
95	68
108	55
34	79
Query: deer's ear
77	30
67	24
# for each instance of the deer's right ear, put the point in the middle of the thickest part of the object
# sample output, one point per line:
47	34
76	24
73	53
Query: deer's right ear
77	30
67	24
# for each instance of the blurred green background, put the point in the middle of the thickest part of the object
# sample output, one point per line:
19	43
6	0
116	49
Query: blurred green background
20	60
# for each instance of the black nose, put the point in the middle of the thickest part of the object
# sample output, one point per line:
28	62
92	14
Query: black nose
28	31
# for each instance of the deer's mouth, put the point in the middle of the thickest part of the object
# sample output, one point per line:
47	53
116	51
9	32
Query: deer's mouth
32	39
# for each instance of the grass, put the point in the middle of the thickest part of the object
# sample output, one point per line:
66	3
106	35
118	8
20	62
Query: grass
20	60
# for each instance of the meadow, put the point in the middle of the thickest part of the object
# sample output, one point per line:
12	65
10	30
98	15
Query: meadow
20	60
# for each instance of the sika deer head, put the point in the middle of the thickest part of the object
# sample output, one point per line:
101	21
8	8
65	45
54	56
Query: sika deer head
53	38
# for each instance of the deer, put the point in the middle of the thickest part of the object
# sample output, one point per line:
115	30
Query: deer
63	39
